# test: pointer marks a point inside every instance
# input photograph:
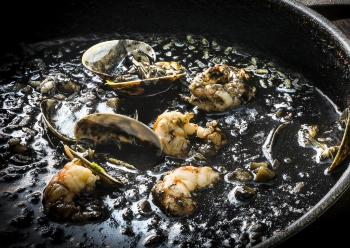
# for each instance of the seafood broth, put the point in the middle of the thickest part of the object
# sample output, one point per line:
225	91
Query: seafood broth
31	154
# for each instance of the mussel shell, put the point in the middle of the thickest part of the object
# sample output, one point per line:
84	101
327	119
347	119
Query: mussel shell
47	107
344	149
104	127
105	55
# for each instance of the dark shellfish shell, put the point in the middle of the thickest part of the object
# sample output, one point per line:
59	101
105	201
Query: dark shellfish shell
344	148
144	208
105	58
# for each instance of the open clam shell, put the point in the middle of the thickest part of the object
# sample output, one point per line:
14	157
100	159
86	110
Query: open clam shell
344	149
103	57
146	87
106	58
101	128
47	108
104	128
95	168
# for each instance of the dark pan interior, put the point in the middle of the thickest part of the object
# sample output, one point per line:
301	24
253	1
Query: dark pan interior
290	32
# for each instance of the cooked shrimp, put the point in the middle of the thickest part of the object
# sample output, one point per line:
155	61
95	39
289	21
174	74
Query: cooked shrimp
220	88
60	192
213	137
172	194
173	128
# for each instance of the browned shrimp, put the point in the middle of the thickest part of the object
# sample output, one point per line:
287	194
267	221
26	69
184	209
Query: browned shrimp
60	192
172	194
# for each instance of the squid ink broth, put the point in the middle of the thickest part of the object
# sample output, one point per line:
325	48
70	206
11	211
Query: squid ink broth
271	167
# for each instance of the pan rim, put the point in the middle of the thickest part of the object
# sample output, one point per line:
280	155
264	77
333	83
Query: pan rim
343	183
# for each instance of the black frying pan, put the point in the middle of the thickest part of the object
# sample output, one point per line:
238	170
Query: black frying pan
290	31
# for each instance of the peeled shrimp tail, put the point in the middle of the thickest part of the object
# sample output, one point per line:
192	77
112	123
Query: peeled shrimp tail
56	190
173	194
69	181
173	128
172	201
60	192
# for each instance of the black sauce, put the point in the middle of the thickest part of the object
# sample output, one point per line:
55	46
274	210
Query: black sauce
217	220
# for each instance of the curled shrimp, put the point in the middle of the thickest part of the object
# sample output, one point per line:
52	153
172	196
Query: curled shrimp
219	88
172	194
59	194
174	128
